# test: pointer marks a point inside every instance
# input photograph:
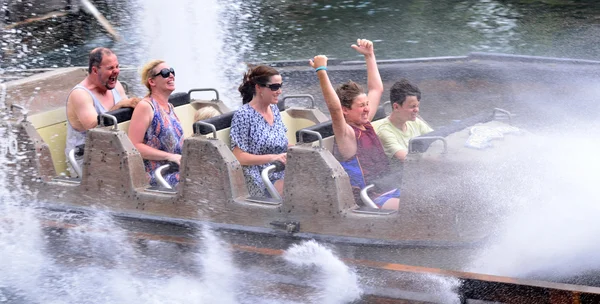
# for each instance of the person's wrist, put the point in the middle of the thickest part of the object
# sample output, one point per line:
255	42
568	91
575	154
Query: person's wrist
321	68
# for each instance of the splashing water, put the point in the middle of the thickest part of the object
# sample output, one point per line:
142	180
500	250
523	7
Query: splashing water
2	95
551	196
339	283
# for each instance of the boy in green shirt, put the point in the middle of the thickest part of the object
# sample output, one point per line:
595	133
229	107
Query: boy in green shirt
403	123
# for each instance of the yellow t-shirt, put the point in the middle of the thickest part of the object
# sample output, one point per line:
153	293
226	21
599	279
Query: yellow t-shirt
394	140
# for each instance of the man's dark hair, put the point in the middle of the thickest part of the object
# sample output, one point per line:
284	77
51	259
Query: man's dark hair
96	56
402	89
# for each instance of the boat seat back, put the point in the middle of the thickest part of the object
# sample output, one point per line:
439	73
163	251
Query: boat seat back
180	101
52	128
293	124
222	125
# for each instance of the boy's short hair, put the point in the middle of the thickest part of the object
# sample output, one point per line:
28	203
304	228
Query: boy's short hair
402	89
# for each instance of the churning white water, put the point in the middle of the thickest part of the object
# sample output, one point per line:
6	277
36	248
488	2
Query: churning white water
339	283
551	196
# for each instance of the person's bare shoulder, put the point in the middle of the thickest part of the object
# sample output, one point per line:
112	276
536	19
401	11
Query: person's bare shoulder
79	98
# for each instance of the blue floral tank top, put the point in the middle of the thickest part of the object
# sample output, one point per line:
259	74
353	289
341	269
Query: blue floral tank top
166	134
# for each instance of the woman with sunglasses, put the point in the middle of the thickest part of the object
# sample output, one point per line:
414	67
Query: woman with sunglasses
155	130
258	135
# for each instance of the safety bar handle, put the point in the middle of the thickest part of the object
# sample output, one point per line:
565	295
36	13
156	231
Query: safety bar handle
74	163
111	117
206	124
158	176
364	196
20	107
507	113
312	99
424	138
311	132
270	187
204	90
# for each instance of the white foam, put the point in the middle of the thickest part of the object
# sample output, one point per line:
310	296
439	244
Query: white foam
336	282
552	223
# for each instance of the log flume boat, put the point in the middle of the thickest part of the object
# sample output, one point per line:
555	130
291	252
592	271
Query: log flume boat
442	218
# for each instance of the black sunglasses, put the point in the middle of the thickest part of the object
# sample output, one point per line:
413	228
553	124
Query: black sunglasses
165	72
274	86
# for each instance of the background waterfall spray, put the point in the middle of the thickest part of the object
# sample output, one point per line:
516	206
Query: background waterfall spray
192	39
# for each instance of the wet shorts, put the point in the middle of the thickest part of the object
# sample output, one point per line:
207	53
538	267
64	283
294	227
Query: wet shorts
380	200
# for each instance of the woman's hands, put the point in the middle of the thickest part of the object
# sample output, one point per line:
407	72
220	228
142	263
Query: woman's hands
279	157
176	158
364	47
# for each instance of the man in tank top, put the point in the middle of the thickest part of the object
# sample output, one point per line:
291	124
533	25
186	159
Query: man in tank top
99	92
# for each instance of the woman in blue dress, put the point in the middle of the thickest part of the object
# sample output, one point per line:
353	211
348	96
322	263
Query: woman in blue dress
258	135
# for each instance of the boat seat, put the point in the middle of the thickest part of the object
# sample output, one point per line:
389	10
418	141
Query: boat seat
222	125
52	128
180	102
124	114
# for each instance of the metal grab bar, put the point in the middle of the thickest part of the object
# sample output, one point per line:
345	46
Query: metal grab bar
507	113
270	187
311	132
73	162
424	138
20	107
202	123
111	117
364	196
204	90
312	99
159	177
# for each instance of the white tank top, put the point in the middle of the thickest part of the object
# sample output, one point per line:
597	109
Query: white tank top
76	138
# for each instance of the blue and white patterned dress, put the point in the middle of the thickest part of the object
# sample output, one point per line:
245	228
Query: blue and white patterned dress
253	134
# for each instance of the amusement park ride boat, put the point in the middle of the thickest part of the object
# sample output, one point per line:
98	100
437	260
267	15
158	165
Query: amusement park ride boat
440	209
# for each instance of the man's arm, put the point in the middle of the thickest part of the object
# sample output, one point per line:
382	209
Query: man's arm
374	83
343	132
82	104
124	102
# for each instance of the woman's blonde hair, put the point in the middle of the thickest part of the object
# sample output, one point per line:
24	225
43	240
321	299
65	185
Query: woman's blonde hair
147	72
206	113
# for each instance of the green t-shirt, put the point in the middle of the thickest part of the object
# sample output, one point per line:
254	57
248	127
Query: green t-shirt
394	140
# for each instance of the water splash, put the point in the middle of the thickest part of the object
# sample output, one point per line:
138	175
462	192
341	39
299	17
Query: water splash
553	210
3	96
338	283
220	272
